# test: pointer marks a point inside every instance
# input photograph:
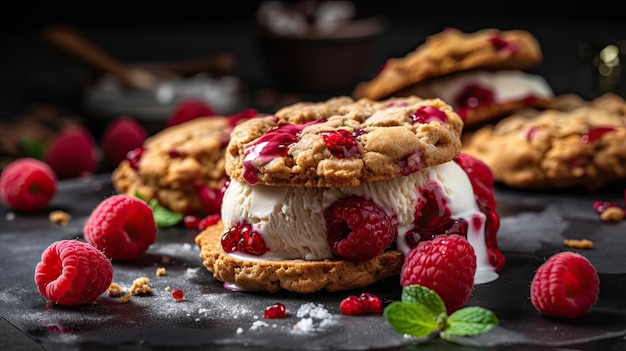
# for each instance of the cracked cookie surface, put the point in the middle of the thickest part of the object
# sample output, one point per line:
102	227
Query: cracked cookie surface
344	142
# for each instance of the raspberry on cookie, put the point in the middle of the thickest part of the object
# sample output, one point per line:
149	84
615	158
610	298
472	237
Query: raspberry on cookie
480	74
331	195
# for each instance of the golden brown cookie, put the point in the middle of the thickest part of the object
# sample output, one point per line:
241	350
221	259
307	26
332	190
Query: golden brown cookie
478	74
298	276
182	166
343	142
583	146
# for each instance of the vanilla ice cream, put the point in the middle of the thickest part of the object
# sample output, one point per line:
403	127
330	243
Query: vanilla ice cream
507	85
292	223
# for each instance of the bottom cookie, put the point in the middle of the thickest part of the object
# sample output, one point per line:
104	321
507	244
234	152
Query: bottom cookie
298	276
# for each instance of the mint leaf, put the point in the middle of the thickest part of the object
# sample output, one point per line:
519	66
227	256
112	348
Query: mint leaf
421	295
412	319
469	321
162	216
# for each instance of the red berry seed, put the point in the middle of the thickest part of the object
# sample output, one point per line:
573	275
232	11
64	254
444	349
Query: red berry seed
363	304
178	295
565	286
72	273
277	310
122	226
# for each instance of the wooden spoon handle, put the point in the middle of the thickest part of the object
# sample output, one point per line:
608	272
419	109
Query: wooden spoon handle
74	43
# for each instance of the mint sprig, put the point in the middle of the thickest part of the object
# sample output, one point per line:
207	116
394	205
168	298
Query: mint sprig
162	216
422	313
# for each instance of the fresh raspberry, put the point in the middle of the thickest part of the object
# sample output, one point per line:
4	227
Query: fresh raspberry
72	273
27	184
357	229
446	264
565	286
188	110
122	135
363	304
72	153
122	226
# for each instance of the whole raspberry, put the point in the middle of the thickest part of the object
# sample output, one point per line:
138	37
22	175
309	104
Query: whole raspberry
188	110
565	286
122	135
358	229
27	184
72	273
72	153
445	264
122	226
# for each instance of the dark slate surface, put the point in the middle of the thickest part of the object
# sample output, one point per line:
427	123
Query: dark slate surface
212	317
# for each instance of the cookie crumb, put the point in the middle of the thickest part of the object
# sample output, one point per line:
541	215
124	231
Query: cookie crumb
140	286
115	290
578	244
612	214
125	298
161	271
59	217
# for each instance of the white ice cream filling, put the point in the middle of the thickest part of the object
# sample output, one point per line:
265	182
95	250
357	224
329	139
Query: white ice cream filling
291	219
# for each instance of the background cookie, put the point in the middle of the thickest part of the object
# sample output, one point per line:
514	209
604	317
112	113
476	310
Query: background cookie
181	166
293	275
478	73
583	146
343	142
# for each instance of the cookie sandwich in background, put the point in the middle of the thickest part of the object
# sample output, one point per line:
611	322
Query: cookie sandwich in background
482	74
331	195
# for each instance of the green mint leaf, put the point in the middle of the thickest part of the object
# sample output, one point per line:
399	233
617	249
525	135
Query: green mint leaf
412	319
469	321
138	195
421	295
164	217
32	147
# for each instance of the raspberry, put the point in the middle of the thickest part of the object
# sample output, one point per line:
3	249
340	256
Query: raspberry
72	273
446	264
178	295
426	114
365	303
341	143
27	184
277	310
241	237
121	136
72	153
122	226
565	286
188	110
134	156
357	229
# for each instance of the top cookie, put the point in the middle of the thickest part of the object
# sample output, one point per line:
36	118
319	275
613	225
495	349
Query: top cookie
452	51
343	142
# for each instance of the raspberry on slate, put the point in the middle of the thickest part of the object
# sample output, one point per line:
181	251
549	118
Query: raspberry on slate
445	264
122	226
73	273
122	135
27	184
565	286
358	229
72	153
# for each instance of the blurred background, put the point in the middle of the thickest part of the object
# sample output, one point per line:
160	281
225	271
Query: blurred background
36	73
